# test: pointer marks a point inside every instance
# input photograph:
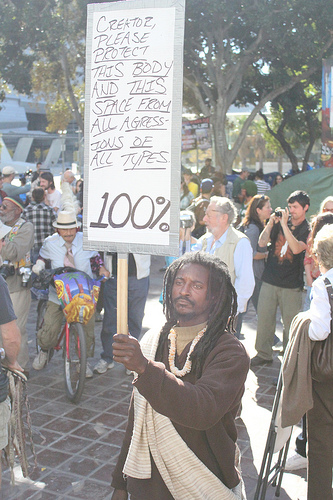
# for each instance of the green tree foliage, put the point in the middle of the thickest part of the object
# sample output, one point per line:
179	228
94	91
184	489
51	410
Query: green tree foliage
295	123
250	52
42	51
236	52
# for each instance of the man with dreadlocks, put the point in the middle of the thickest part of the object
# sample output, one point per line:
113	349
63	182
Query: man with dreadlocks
181	436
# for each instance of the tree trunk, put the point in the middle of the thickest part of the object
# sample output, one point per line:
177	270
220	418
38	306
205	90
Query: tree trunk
280	163
312	127
307	155
77	115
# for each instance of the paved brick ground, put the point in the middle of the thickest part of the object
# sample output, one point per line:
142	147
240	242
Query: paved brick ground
77	445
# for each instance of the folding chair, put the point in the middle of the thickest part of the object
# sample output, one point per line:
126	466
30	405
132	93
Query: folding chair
278	440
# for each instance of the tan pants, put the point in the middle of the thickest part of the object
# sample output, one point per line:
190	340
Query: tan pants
49	333
21	303
290	302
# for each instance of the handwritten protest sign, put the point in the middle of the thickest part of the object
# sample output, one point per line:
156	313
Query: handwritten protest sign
133	126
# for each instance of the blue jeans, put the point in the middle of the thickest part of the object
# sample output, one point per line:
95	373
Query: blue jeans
137	296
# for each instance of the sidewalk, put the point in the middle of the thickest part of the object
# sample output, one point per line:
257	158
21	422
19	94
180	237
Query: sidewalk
77	445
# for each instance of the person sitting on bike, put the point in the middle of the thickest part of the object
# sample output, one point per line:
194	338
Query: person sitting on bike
65	248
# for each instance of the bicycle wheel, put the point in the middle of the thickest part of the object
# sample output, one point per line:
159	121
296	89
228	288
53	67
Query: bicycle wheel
75	360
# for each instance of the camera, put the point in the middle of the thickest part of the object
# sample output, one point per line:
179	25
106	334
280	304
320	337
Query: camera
26	273
278	213
186	221
7	269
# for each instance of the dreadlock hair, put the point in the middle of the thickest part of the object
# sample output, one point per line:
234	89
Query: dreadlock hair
223	299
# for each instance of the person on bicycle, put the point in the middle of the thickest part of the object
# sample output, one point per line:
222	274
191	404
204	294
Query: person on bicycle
65	248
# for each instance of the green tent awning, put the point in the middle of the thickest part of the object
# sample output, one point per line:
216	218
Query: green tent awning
318	183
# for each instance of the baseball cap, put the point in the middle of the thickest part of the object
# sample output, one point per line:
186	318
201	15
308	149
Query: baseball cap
250	188
9	171
206	185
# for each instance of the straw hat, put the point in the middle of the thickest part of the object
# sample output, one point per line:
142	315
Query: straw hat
65	220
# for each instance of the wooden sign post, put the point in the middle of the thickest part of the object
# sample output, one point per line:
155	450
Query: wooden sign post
122	294
133	116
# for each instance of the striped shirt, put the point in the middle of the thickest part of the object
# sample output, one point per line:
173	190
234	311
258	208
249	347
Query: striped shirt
262	186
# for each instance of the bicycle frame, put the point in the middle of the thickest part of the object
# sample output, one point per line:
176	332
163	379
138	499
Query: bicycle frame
65	333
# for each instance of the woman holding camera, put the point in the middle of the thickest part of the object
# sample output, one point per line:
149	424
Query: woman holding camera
257	212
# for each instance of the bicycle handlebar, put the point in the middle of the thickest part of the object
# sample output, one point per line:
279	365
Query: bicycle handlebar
45	277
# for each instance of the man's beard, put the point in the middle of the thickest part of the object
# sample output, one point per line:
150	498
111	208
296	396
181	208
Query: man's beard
6	218
183	315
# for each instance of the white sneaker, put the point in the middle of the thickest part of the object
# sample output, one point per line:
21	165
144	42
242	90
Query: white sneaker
40	360
102	366
296	462
89	372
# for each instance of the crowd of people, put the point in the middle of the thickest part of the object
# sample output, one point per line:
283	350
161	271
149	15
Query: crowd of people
190	375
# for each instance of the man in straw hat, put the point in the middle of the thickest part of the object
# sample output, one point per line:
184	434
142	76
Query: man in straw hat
64	248
180	441
16	255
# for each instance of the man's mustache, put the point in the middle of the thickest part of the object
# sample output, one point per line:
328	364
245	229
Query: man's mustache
183	299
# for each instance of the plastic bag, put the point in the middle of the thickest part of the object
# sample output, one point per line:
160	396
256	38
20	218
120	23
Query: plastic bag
78	295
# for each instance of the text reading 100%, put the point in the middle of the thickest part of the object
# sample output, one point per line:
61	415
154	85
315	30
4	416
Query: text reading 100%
152	220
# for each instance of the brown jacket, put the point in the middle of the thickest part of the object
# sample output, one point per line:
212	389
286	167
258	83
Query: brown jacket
203	411
296	396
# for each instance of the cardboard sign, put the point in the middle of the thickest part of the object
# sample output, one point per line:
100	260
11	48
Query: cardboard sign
133	114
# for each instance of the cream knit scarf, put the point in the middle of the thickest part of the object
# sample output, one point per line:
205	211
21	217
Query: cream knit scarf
181	470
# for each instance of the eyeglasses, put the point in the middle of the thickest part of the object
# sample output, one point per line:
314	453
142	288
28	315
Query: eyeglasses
328	210
6	207
208	214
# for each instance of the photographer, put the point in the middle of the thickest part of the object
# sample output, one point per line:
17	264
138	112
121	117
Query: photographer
285	235
15	254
